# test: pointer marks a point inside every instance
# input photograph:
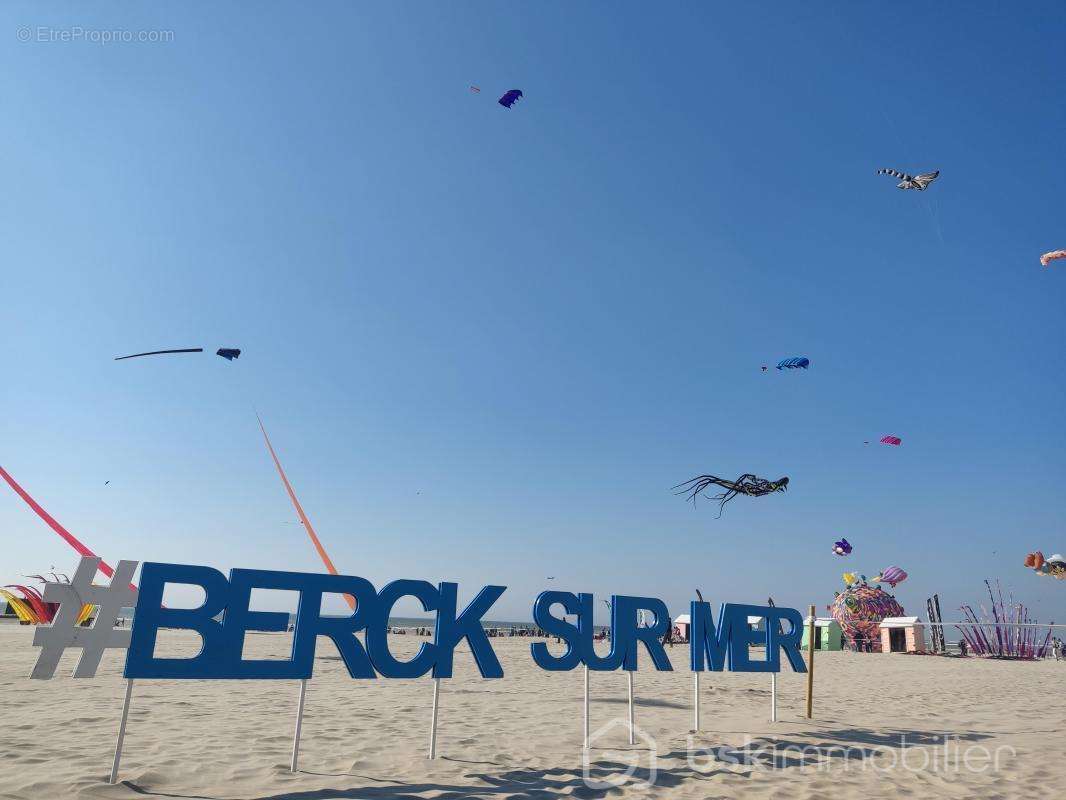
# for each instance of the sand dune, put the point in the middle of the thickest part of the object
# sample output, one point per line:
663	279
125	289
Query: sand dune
878	719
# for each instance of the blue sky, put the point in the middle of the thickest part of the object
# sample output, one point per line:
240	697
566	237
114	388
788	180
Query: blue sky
486	343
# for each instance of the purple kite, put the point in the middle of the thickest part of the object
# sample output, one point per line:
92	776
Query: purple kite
842	548
891	576
895	441
510	97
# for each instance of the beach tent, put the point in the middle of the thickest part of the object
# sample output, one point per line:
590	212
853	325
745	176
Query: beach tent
902	635
827	634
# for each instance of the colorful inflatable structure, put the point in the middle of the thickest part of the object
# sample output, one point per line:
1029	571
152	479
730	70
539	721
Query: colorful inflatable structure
860	609
31	608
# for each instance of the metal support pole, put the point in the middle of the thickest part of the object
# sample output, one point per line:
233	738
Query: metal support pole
433	724
696	700
586	747
631	715
773	697
121	731
299	726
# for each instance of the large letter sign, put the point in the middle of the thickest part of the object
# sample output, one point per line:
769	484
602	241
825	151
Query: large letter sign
223	642
730	639
580	645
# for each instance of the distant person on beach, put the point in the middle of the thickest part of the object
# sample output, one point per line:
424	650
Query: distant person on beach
1056	648
963	649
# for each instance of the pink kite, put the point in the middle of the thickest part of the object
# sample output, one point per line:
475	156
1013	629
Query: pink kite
1049	257
49	520
895	441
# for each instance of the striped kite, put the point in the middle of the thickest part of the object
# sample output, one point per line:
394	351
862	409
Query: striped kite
919	182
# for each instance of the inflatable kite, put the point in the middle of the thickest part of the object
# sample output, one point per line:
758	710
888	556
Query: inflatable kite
510	98
228	353
1047	258
746	484
1054	565
842	548
800	362
891	576
919	182
1034	560
895	441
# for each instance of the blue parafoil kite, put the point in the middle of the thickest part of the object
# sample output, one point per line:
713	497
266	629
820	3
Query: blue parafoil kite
510	97
800	362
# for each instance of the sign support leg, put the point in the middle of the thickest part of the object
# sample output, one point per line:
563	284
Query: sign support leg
121	732
631	715
586	746
696	700
433	723
773	697
299	725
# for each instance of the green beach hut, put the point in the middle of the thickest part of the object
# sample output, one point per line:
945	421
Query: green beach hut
827	634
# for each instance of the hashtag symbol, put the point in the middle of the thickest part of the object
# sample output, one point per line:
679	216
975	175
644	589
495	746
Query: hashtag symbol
64	631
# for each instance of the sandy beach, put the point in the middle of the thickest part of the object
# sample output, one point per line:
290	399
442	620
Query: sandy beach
879	730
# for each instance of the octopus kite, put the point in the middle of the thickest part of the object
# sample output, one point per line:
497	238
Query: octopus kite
919	182
747	484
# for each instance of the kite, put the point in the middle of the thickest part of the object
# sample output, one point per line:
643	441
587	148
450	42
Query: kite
1035	560
849	578
919	182
510	98
895	441
765	368
50	521
475	90
746	484
1052	256
842	548
800	362
300	513
891	576
228	353
1054	565
162	352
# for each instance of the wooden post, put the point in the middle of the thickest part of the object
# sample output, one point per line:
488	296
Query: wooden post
696	700
631	722
810	664
433	724
121	732
299	726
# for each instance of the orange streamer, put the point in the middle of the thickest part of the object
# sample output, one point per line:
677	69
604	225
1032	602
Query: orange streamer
300	512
